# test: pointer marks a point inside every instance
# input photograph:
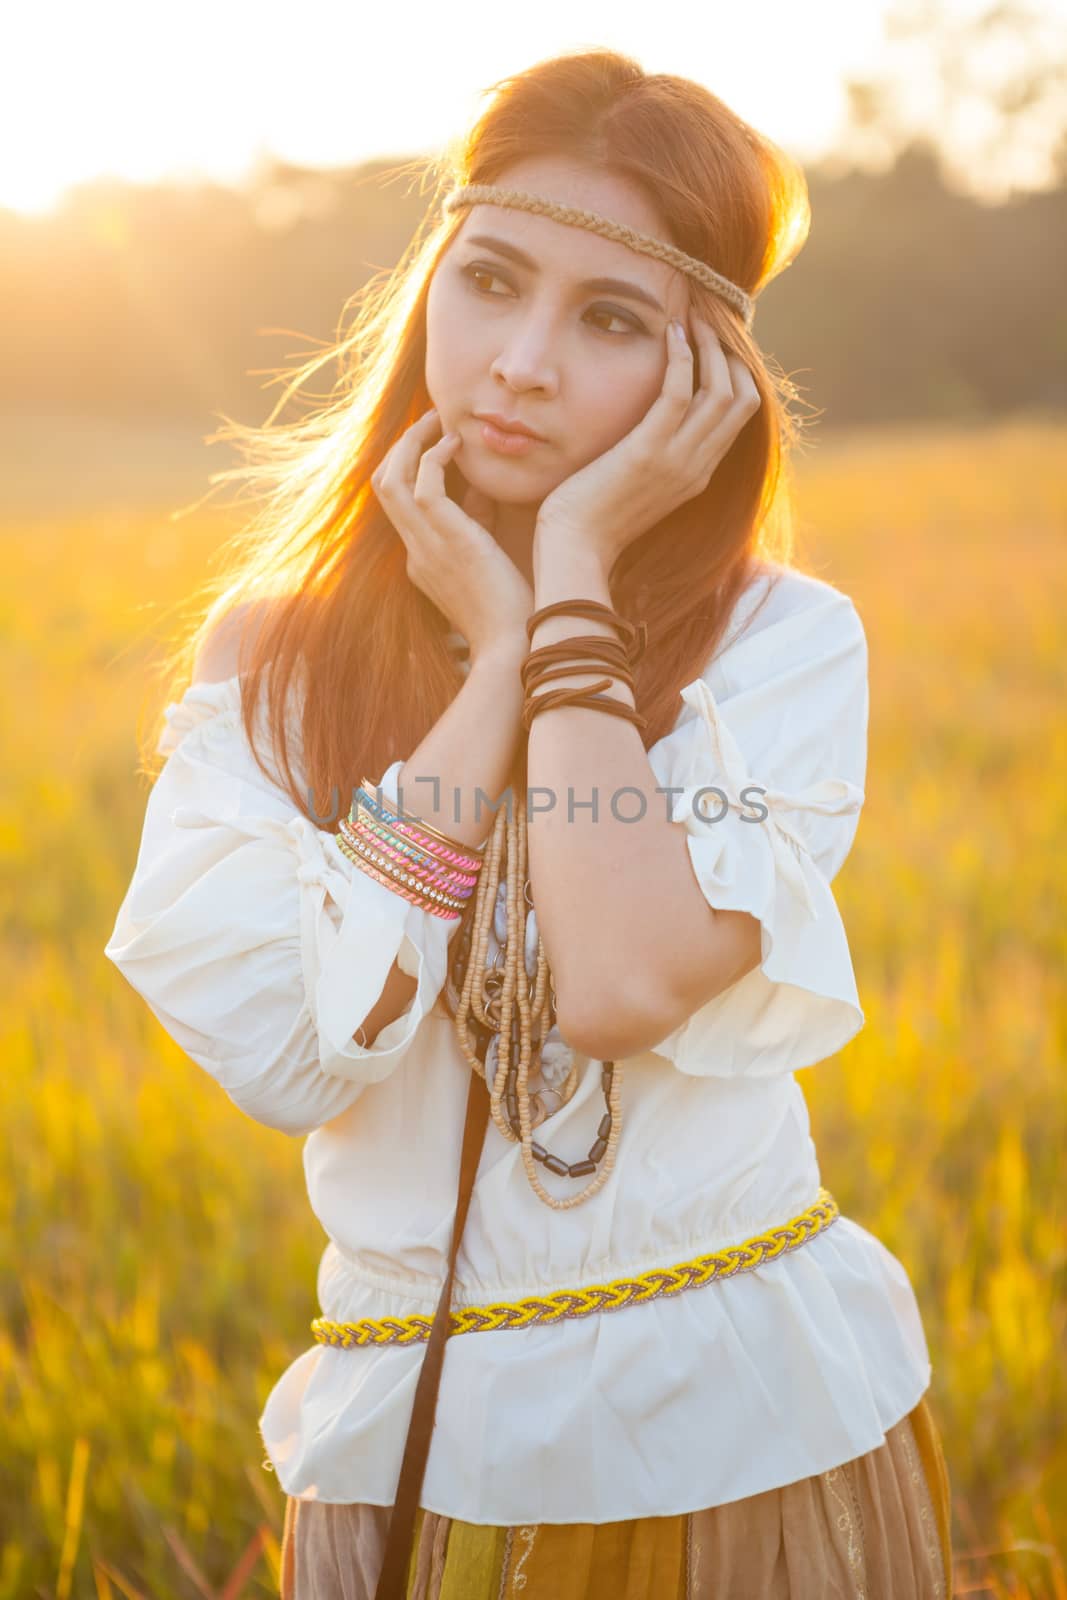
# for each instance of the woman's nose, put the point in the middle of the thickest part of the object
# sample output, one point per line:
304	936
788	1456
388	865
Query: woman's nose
526	361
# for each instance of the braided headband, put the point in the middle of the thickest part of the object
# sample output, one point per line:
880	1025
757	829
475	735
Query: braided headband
484	194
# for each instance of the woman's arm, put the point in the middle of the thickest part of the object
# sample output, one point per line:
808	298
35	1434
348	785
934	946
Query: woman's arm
634	946
472	746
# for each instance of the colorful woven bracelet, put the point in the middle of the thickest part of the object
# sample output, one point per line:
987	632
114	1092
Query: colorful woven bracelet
469	857
380	843
426	899
429	867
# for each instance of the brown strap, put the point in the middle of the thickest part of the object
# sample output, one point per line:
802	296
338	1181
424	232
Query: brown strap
570	668
635	633
577	646
538	703
583	653
393	1578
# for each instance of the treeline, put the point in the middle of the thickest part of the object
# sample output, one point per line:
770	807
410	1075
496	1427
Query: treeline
171	303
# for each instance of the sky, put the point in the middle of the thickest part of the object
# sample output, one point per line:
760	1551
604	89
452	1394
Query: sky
141	91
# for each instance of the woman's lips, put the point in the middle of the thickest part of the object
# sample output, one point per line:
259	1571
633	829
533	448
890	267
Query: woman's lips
507	444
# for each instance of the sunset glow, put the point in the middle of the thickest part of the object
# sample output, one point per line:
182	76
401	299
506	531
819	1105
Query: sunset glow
140	93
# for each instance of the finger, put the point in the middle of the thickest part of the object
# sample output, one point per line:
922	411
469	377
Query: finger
746	391
429	484
667	411
709	431
678	378
716	378
401	463
412	441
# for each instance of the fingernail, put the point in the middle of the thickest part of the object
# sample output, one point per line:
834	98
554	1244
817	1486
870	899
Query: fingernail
677	329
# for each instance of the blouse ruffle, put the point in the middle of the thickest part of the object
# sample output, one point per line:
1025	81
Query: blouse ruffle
769	794
254	940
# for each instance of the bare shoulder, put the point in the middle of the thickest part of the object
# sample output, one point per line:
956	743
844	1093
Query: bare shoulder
227	645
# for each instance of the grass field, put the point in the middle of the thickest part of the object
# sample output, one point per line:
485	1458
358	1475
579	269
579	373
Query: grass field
158	1252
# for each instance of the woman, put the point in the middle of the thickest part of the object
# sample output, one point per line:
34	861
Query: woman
667	1364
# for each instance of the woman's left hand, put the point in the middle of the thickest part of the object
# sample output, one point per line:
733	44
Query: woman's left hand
667	459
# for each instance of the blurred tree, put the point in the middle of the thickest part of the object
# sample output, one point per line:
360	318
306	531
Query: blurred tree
168	305
989	87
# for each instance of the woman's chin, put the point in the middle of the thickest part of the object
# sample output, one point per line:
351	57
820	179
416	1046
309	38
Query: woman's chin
501	479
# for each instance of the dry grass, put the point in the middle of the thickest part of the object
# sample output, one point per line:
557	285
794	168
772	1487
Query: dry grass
145	1317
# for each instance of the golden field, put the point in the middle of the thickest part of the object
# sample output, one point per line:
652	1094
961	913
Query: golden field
159	1254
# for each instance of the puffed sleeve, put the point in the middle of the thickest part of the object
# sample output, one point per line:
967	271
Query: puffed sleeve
254	940
768	785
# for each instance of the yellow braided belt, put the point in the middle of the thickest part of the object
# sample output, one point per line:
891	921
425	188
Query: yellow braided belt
598	1297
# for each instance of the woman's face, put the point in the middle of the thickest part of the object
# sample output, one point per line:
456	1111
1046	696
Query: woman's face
530	340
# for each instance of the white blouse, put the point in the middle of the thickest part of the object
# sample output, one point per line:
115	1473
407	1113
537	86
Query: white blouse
261	949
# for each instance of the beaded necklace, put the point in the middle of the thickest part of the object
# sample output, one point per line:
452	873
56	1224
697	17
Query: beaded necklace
499	986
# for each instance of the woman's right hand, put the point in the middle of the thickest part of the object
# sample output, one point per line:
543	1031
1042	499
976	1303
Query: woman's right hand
452	558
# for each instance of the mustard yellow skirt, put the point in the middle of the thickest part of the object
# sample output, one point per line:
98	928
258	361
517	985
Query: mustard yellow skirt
876	1528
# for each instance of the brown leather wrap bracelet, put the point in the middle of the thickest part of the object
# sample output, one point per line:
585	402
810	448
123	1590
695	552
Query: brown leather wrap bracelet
583	653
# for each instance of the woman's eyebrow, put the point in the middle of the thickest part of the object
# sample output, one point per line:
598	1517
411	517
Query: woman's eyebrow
601	285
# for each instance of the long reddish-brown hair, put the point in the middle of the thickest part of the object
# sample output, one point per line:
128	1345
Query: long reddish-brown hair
320	567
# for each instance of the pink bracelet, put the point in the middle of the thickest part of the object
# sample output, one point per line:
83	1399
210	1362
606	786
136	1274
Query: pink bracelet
391	859
428	900
432	871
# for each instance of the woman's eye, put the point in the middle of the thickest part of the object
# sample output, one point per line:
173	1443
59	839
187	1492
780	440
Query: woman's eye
616	316
629	324
479	272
